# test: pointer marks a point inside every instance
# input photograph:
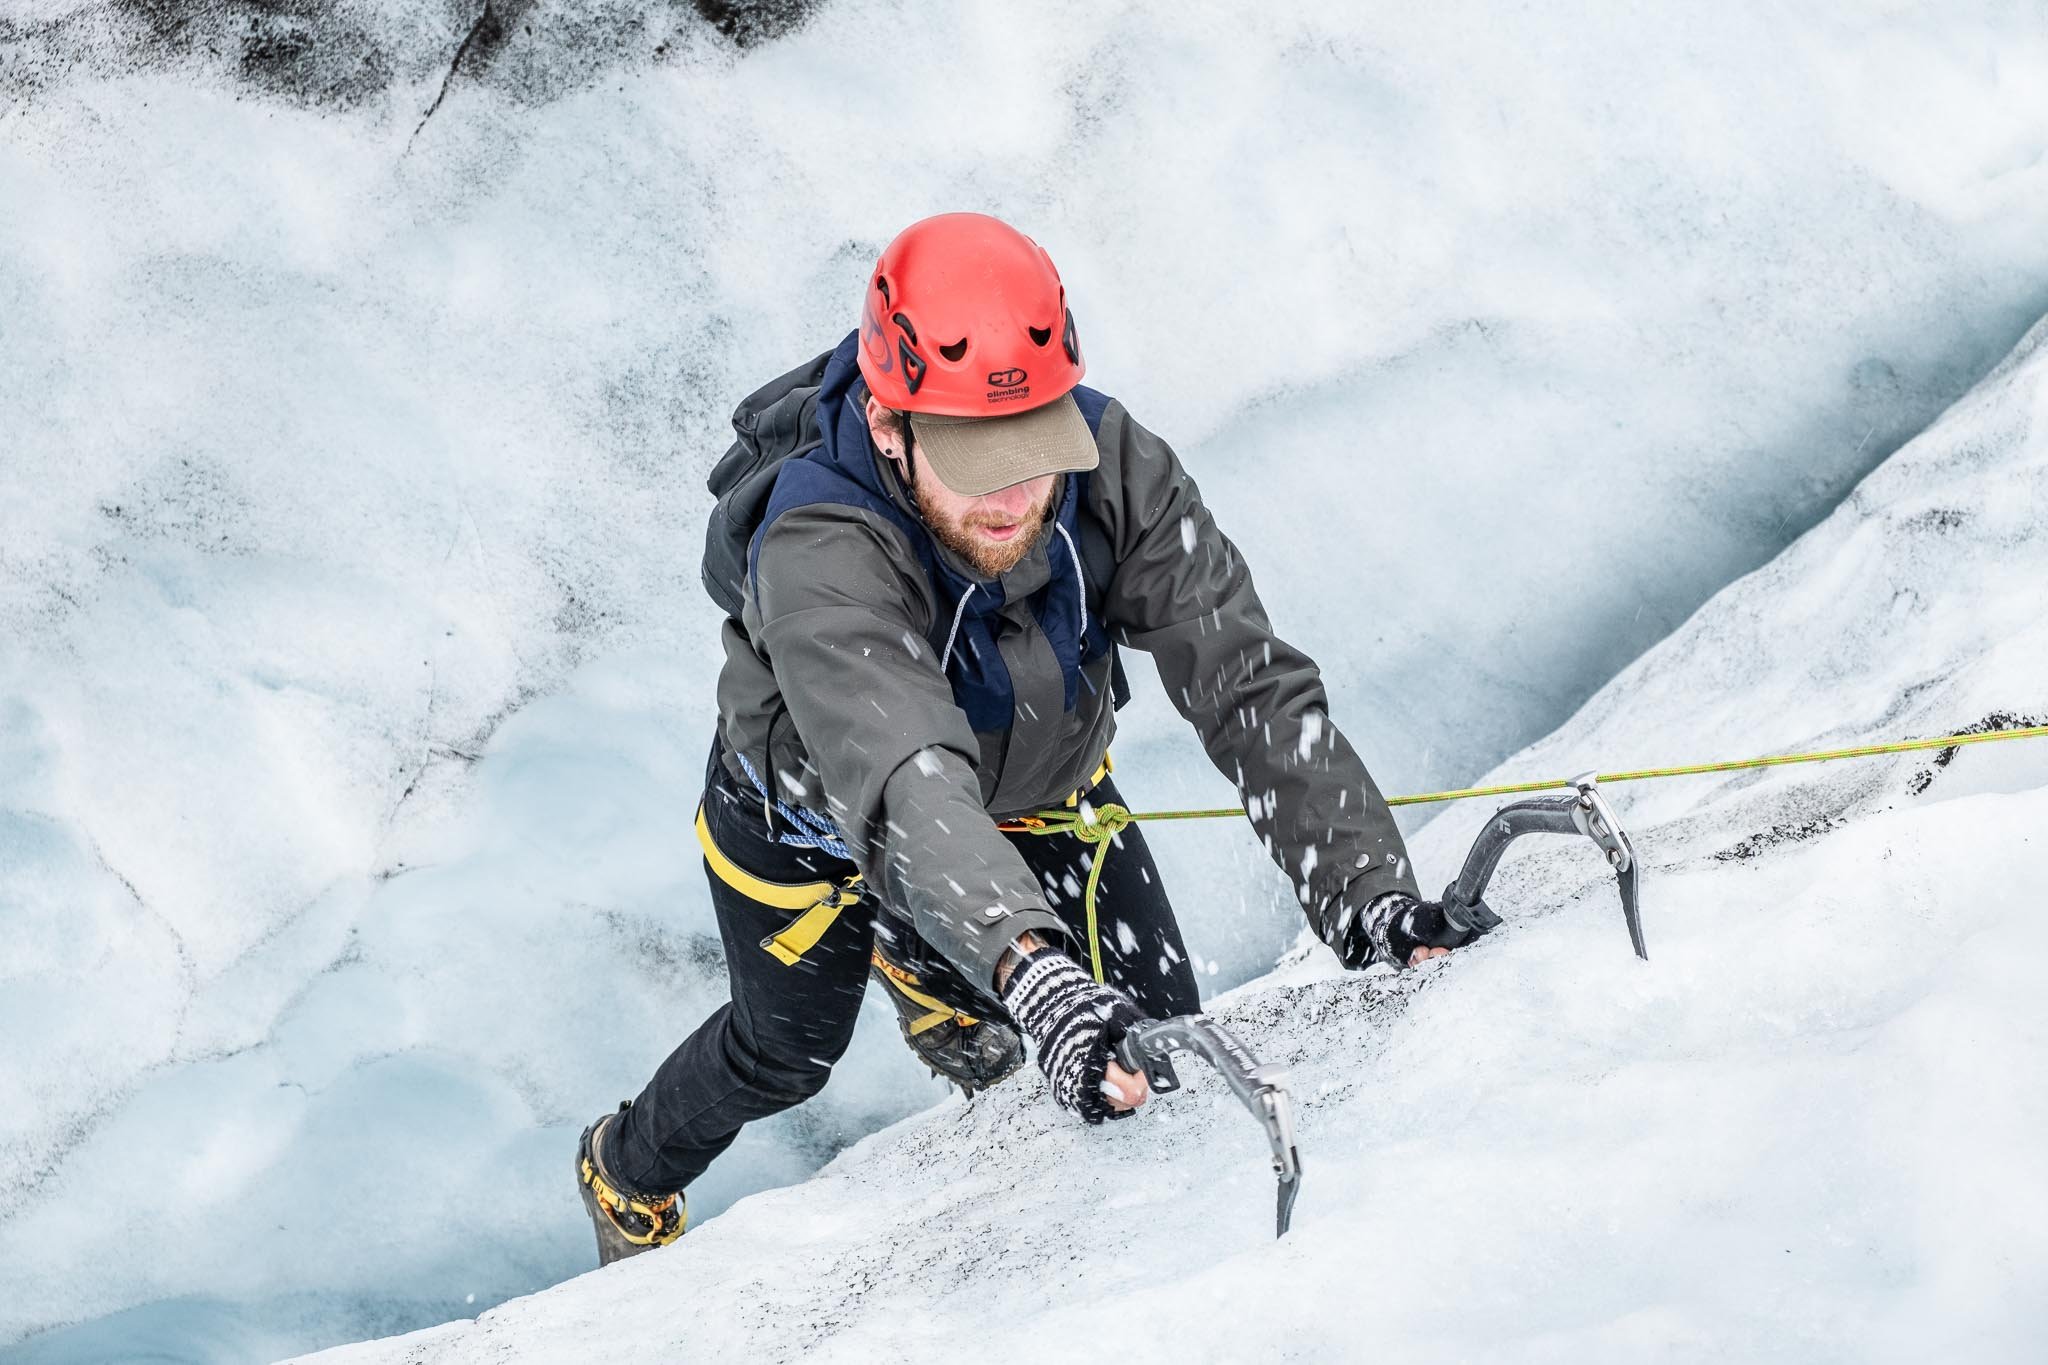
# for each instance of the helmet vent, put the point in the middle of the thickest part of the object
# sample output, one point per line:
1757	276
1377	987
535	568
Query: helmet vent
913	366
1040	335
882	283
904	323
954	351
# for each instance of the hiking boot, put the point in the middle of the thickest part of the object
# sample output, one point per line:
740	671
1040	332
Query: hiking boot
972	1053
627	1223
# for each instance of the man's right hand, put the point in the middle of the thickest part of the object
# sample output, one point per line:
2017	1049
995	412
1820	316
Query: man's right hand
1075	1023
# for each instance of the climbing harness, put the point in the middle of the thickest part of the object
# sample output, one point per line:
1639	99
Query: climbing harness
1585	811
818	903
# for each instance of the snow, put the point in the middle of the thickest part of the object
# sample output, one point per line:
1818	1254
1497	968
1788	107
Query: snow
1807	1129
356	679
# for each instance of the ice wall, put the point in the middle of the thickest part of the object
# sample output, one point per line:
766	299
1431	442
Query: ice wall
354	681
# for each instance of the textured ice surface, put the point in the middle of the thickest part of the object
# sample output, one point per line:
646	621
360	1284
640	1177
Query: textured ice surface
1808	1129
354	677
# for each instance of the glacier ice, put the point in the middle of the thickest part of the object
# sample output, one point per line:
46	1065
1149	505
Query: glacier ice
354	677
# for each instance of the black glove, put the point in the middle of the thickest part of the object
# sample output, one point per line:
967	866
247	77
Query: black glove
1076	1023
1396	924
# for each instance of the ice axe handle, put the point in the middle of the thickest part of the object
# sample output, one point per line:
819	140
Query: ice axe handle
1463	903
1133	1056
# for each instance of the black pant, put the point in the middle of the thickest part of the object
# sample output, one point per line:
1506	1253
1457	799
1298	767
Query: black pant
774	1045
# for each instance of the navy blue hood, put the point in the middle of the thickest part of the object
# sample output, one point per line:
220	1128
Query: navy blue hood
842	470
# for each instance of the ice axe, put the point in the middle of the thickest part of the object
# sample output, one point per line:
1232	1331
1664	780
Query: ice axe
1148	1048
1584	812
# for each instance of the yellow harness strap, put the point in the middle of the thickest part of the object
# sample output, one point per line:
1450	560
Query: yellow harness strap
820	902
1102	770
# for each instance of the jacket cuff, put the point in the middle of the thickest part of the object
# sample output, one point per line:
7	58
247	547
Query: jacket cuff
1359	894
988	939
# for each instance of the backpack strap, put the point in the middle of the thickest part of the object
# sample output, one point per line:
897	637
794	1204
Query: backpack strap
775	423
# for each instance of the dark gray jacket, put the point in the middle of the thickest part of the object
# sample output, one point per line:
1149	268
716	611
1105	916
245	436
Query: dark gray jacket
832	687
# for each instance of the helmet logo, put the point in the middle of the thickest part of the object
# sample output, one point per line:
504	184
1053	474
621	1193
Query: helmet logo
1006	379
875	340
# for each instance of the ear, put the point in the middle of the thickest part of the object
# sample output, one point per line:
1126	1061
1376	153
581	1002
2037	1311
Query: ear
883	432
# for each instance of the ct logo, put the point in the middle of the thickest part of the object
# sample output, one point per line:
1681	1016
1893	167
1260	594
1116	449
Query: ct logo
1006	379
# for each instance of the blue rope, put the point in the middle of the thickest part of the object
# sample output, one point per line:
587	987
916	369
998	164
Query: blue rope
812	830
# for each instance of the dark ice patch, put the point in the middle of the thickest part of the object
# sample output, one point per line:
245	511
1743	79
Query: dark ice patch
1997	720
345	53
288	54
749	22
1784	832
1937	521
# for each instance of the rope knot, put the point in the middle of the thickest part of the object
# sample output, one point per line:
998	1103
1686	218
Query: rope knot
1100	824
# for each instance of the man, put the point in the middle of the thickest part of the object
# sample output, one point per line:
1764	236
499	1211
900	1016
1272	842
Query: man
931	542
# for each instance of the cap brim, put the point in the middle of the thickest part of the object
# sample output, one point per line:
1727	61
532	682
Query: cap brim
977	455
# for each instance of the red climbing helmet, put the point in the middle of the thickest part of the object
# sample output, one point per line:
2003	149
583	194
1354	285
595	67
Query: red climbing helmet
965	318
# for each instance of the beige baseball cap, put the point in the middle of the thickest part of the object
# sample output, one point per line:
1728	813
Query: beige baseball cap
977	455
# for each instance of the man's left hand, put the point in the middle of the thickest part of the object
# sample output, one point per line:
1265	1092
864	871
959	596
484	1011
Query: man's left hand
1401	930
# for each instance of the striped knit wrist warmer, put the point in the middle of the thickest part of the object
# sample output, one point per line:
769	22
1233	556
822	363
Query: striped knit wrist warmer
1397	924
1387	931
1075	1022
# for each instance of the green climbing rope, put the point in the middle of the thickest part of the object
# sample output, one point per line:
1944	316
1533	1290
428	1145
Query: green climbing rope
1097	825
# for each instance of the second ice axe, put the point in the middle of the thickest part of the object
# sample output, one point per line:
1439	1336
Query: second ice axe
1584	812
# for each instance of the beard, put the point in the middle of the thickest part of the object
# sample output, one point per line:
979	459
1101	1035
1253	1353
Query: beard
965	535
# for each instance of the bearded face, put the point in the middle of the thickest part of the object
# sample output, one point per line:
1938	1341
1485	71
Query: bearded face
992	532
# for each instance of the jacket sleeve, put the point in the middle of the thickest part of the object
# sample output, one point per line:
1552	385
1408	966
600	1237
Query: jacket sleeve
1183	594
843	624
